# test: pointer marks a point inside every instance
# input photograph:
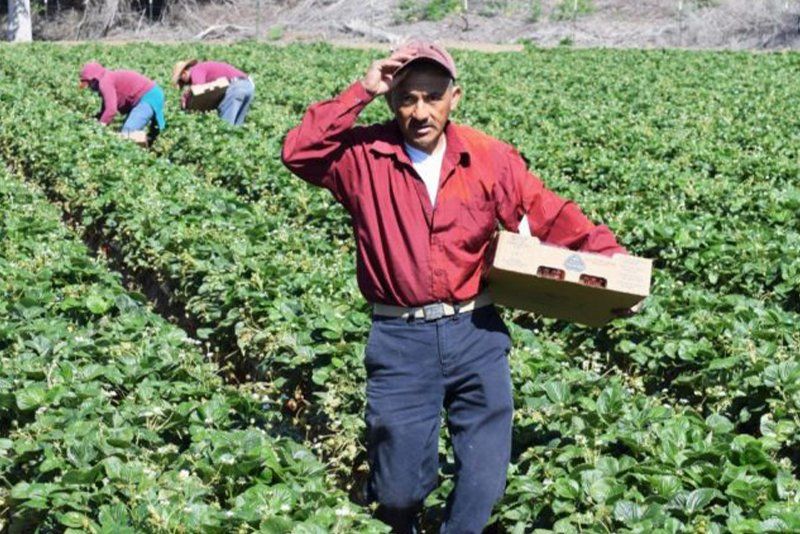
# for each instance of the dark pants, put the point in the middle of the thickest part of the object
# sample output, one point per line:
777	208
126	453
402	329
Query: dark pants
414	369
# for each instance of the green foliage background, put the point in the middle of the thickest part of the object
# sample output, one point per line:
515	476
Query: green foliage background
684	417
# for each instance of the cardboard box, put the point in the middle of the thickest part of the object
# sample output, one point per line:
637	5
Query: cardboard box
139	137
580	287
207	96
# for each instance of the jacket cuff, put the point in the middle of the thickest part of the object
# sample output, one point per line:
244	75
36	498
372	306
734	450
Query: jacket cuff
356	96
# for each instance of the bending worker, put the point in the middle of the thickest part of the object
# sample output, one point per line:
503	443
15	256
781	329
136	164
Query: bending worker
425	196
238	96
128	92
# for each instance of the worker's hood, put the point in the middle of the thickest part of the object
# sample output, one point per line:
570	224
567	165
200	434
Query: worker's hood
92	72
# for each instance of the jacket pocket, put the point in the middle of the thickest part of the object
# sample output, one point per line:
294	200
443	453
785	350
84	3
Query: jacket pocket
477	223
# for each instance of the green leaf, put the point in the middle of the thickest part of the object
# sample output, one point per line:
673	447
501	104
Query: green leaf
113	467
73	520
557	392
743	491
608	465
115	518
694	501
609	403
628	512
31	397
97	304
567	488
719	424
665	485
204	333
276	525
604	490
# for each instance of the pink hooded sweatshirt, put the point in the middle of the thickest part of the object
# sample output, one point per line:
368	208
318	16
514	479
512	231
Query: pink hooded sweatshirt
208	71
120	90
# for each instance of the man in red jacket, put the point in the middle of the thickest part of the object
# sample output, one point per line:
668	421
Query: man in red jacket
425	196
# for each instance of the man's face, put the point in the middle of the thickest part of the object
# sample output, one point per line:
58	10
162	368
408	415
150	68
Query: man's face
422	101
91	84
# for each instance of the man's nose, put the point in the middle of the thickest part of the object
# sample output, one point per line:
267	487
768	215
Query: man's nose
420	112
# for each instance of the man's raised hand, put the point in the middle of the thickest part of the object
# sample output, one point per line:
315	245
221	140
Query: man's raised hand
379	78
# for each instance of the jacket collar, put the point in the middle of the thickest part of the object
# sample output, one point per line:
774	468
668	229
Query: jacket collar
392	145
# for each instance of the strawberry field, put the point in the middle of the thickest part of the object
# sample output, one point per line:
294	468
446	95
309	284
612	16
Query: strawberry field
181	335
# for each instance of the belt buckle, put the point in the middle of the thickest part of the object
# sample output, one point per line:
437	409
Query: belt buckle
434	311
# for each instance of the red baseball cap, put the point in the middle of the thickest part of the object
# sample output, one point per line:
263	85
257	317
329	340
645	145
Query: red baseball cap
428	50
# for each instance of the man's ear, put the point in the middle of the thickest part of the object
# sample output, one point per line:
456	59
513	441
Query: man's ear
456	97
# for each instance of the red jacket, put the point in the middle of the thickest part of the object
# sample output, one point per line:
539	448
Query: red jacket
409	253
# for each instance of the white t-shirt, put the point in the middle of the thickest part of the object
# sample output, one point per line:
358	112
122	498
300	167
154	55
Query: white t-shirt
429	168
524	227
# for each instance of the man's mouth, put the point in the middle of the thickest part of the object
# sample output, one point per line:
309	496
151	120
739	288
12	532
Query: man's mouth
421	131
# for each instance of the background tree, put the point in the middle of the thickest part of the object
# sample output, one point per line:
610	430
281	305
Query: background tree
19	21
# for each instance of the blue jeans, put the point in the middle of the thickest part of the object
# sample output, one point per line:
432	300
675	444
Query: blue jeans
415	369
236	102
139	118
149	110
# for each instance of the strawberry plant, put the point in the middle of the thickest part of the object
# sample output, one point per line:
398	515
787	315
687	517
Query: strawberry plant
684	417
112	420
